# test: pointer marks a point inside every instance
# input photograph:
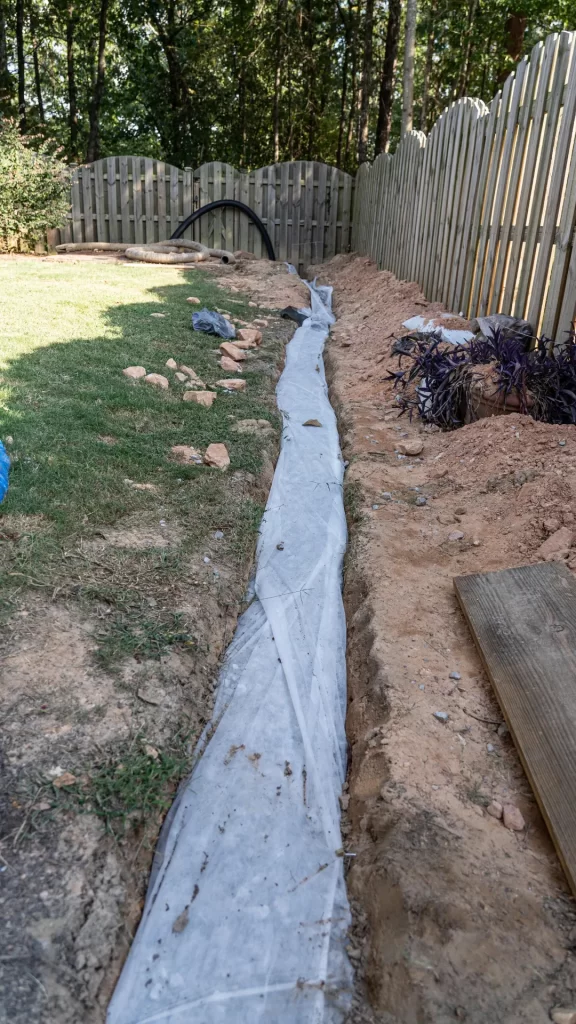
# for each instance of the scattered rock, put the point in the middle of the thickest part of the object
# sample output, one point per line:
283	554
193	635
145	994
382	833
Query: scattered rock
260	323
230	365
217	456
205	398
413	446
557	546
244	345
562	1015
454	675
150	695
344	801
134	372
185	455
513	818
232	385
503	731
312	423
227	348
157	380
442	716
387	496
551	525
181	377
67	779
193	300
280	546
421	500
171	364
151	752
254	305
455	535
160	315
250	335
252	426
195	379
181	921
495	809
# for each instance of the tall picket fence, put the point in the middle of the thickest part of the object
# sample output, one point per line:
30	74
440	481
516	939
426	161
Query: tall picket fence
482	212
306	206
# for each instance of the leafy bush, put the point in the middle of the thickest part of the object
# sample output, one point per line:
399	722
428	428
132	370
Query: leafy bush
34	189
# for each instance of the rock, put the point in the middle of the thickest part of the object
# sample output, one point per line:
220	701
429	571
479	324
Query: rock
346	343
171	364
181	922
503	731
421	500
312	423
446	518
158	315
140	487
157	380
151	752
386	495
230	365
513	818
185	455
205	398
454	675
195	379
442	716
280	546
551	525
244	344
252	427
193	300
232	385
217	456
181	377
494	809
557	546
455	535
227	348
344	801
562	1015
413	446
250	335
150	695
67	779
260	323
254	305
134	372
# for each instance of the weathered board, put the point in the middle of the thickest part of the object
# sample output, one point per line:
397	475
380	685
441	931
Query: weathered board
524	624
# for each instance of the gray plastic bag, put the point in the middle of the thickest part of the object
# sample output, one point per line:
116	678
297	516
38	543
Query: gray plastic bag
213	323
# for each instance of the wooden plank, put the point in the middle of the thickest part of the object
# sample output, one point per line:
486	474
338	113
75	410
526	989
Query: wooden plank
320	218
488	128
296	212
125	205
88	206
258	209
100	202
460	203
175	201
149	200
346	215
112	199
161	198
139	230
524	624
283	245
188	198
460	300
204	222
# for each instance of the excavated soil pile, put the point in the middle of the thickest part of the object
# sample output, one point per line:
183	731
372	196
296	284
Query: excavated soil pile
460	916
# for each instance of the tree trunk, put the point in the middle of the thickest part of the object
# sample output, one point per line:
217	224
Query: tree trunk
277	80
408	79
93	148
5	76
21	69
366	83
515	29
465	72
37	79
427	69
71	74
347	23
387	81
353	93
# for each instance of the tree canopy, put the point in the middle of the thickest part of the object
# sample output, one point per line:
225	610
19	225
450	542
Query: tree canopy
252	81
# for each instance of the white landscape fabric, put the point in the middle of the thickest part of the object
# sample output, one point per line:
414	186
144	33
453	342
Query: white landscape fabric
247	915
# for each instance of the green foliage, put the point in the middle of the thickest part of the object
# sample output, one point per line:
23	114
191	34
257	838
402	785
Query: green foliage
34	190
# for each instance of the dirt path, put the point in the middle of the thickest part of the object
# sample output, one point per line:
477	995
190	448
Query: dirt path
459	917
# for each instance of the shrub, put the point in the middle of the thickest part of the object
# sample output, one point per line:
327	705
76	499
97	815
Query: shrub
34	189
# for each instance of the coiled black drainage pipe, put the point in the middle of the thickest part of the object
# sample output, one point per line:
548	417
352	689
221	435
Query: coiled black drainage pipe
236	205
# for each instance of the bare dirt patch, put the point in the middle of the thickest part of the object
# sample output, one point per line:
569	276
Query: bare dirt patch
459	918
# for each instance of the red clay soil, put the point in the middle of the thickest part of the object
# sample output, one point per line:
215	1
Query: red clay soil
459	917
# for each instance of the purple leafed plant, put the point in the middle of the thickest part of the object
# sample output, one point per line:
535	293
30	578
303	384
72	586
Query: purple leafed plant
441	379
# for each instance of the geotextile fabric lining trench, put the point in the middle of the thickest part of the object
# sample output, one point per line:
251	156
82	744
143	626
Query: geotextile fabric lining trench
246	916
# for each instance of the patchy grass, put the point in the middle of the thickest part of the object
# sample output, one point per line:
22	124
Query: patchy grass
140	636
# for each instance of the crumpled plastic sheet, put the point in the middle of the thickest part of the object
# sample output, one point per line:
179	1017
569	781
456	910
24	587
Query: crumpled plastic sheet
213	323
455	337
246	917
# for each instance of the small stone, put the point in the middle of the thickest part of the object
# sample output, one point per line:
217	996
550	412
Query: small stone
421	500
151	752
551	525
490	748
158	315
9	439
557	546
171	364
185	455
205	398
193	300
442	716
230	365
134	372
344	801
232	385
206	560
217	456
494	809
150	695
512	818
252	337
475	542
455	535
157	380
454	675
562	1015
280	546
386	495
421	686
227	348
218	535
312	423
562	443
413	446
181	377
375	507
181	922
503	731
260	323
195	379
67	779
244	345
254	305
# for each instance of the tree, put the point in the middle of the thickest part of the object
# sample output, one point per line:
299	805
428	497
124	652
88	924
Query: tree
366	82
387	80
408	77
93	148
21	65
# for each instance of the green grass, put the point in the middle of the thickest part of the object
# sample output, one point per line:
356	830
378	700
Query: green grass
80	429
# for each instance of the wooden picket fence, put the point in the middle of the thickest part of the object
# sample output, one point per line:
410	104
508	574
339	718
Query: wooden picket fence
482	212
305	206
